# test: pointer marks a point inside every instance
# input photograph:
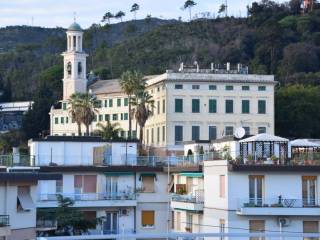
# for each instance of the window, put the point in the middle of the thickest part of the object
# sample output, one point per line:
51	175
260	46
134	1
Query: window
125	116
105	103
229	131
178	217
121	116
62	120
158	89
262	130
85	184
56	120
189	222
152	136
195	105
114	117
195	87
178	105
119	102
147	183
310	227
222	192
256	226
261	88
100	117
212	87
245	88
309	190
147	219
247	130
256	189
122	134
163	133
212	132
64	106
229	88
59	186
222	225
195	133
245	106
147	136
158	134
110	103
212	106
98	104
178	132
261	106
163	106
158	107
107	117
134	134
229	106
95	118
126	102
178	86
67	120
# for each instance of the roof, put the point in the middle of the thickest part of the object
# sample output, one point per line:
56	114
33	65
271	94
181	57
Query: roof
264	137
304	143
75	27
106	87
76	139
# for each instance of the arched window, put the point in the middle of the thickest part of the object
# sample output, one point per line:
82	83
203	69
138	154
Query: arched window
69	68
79	68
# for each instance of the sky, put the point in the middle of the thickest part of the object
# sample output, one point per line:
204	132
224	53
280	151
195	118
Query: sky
53	13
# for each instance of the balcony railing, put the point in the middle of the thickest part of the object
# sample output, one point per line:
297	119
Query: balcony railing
197	197
17	160
47	223
4	221
88	196
278	202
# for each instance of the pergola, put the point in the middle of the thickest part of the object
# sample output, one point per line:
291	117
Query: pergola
304	149
263	146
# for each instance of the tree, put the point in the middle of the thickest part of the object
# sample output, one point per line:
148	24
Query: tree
143	105
109	131
295	6
189	4
131	82
222	8
107	17
9	140
75	110
70	219
134	8
120	15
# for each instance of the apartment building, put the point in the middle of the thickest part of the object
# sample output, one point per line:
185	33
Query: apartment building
190	103
106	180
18	194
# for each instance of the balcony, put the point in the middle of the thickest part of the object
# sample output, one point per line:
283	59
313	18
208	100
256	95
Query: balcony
46	224
17	160
89	199
4	225
278	207
191	202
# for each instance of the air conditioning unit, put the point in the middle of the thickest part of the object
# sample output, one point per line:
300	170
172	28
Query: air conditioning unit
283	221
124	212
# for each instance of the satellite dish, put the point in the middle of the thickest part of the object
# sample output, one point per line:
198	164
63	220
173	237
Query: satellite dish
240	132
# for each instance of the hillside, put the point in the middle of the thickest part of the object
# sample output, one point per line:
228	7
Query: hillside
275	39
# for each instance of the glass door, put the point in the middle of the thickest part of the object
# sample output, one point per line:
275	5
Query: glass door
309	190
256	190
110	225
112	187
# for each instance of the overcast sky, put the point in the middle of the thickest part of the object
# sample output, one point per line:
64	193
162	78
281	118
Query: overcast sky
52	13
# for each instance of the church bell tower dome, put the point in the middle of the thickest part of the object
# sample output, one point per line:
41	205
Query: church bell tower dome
75	27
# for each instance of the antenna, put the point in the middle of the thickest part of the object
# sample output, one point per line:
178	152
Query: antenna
240	132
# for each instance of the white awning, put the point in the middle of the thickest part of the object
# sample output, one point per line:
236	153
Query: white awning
25	199
304	143
264	137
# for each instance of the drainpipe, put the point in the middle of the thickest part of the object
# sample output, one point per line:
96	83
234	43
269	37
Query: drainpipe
135	208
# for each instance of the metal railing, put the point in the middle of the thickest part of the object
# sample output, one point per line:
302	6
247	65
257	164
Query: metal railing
17	160
88	196
45	223
278	202
197	197
4	220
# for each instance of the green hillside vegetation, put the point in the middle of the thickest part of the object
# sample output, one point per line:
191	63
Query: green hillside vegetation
274	39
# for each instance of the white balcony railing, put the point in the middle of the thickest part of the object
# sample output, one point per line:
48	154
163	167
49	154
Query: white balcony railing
197	197
88	196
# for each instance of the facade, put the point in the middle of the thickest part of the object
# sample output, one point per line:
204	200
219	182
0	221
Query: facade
190	104
107	181
18	193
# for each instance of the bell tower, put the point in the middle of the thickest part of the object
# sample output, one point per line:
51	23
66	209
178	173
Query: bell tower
75	79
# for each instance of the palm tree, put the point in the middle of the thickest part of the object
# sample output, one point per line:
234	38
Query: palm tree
130	83
107	17
143	104
109	131
120	15
74	110
135	7
188	5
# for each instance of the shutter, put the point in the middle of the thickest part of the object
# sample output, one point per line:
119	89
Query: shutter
78	181
148	183
310	226
98	154
147	218
90	184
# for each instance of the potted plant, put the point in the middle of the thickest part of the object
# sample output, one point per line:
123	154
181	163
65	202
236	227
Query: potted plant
250	159
274	159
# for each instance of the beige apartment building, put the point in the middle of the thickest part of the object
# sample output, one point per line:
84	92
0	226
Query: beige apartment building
190	103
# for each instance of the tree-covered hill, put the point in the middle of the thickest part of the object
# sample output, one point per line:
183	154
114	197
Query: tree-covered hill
274	39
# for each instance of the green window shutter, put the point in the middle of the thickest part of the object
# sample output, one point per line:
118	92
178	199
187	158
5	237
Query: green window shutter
121	116
212	87
261	106
261	88
114	117
119	102
163	106
212	105
64	106
110	103
195	133
56	120
178	105
245	88
229	106
229	88
245	106
100	118
158	107
126	102
62	120
67	120
178	130
195	105
105	103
